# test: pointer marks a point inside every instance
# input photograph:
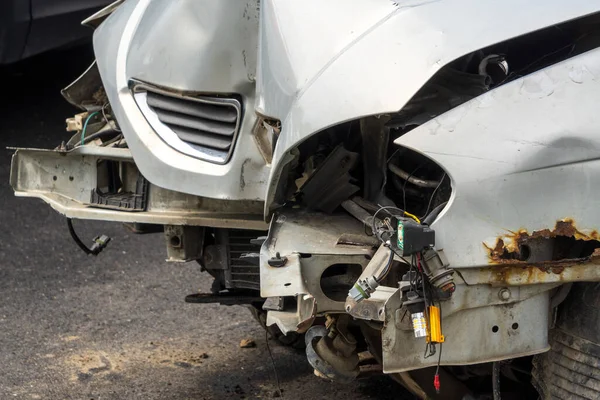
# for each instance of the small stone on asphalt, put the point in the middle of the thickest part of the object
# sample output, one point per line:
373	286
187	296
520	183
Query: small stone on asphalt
247	343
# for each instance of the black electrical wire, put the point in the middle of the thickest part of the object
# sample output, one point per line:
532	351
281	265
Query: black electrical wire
428	297
273	363
433	195
437	370
410	274
496	381
106	118
78	241
434	213
404	186
113	140
96	135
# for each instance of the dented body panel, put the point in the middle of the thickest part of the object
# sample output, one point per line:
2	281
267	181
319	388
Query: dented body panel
290	87
167	44
523	157
407	43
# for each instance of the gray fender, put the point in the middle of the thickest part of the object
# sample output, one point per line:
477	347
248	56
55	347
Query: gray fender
521	157
324	63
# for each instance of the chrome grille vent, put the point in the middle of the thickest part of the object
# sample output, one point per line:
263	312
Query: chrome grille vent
205	127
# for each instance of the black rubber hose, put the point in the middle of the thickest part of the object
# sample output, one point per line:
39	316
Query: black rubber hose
387	268
434	213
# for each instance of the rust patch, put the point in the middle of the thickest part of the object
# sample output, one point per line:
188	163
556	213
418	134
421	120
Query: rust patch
586	269
514	248
565	227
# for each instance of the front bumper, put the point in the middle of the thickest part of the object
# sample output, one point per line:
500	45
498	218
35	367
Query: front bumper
65	180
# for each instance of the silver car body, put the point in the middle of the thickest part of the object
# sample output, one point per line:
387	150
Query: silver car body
522	158
308	69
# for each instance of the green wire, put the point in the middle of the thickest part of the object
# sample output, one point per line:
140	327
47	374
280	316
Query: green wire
85	125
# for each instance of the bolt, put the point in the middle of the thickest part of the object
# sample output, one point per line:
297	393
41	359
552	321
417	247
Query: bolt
277	261
504	294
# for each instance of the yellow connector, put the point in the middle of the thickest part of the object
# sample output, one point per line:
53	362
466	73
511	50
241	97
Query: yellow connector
434	328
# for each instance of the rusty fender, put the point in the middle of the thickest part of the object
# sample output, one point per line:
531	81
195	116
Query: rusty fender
562	254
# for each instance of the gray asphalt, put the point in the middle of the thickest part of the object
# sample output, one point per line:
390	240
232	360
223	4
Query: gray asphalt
116	326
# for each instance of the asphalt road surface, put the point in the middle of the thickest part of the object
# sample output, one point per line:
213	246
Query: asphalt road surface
116	326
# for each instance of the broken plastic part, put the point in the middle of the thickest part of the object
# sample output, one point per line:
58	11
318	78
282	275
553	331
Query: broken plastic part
115	197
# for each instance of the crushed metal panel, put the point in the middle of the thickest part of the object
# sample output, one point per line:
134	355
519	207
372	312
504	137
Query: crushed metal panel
311	243
536	170
65	180
433	35
313	233
471	336
298	321
231	26
68	173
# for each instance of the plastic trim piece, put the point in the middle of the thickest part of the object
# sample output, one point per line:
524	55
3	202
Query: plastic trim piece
174	140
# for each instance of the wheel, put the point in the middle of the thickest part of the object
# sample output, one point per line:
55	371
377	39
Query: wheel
571	369
292	339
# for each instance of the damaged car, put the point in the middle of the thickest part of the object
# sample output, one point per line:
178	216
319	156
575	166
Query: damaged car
398	187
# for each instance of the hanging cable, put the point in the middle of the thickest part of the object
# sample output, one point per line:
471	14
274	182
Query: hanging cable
433	195
496	380
434	213
436	377
404	186
85	124
100	242
107	120
273	364
100	134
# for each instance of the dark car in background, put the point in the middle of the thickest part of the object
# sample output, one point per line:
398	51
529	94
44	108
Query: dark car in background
30	27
